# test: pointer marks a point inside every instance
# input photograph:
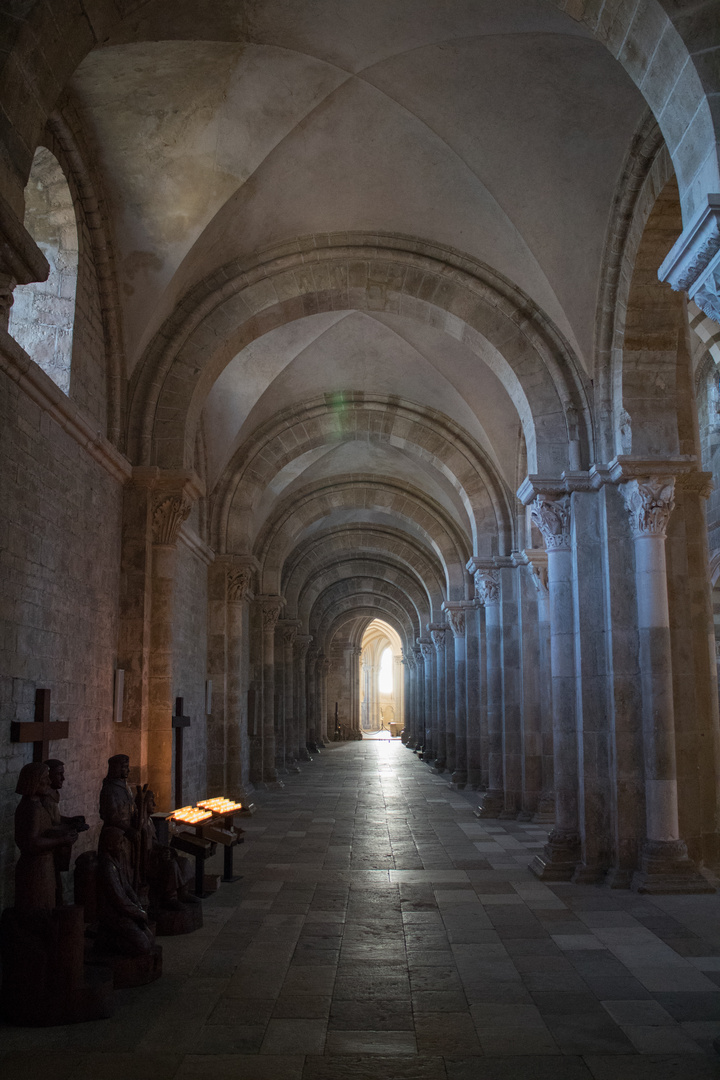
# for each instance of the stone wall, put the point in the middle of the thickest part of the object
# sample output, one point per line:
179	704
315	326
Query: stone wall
190	665
59	578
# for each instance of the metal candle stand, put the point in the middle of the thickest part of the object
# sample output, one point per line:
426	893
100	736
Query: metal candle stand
208	833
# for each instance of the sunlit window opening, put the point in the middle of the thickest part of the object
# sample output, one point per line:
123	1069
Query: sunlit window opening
42	316
385	678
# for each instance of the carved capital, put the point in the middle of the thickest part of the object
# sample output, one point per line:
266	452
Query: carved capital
487	586
238	584
302	644
270	607
289	632
438	639
649	501
169	512
455	613
693	263
427	650
551	516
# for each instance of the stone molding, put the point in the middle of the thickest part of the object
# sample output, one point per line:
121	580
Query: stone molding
684	468
649	502
552	516
693	264
40	388
190	539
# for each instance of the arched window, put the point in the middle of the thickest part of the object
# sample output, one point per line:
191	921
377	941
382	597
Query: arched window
42	316
385	676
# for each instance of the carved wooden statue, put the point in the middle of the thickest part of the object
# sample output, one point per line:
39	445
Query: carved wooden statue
167	875
38	838
118	811
51	802
124	926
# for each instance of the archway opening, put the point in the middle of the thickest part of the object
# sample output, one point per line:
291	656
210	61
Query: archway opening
382	706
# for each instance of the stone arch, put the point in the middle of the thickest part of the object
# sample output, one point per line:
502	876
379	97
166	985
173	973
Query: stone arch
321	500
354	569
463	297
361	541
355	609
371	586
42	317
421	431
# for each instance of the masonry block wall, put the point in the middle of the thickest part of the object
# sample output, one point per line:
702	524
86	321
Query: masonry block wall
59	579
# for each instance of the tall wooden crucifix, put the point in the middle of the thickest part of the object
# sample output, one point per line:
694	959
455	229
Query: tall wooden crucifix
41	732
179	722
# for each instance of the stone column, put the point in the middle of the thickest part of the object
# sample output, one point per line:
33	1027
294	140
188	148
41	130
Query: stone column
438	633
456	618
537	564
419	673
664	863
474	688
171	505
270	608
551	515
312	699
355	675
487	589
238	584
288	631
302	644
323	671
429	713
408	662
399	691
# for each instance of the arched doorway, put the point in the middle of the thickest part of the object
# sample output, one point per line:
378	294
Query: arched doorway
382	706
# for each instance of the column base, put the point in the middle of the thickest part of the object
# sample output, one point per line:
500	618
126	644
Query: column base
491	805
410	742
559	858
458	779
525	815
589	875
475	779
545	813
313	748
272	785
304	754
619	877
665	869
428	755
439	765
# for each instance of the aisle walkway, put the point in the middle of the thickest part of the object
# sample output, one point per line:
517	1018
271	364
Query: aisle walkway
381	931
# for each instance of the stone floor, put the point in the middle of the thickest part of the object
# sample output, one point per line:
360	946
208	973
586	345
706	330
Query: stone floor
381	931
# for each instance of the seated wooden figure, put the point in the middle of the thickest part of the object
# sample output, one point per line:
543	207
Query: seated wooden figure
125	938
167	875
43	945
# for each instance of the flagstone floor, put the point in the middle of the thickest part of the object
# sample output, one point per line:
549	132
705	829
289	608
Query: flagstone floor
381	931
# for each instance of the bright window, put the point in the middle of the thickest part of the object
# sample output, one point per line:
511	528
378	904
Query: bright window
385	678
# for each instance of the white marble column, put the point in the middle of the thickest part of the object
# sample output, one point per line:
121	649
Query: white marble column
664	863
552	517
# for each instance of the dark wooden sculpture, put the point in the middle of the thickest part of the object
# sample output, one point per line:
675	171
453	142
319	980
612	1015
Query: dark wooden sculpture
44	980
77	824
118	811
125	939
166	875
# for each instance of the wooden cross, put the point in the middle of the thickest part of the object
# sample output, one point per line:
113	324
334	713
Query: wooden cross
41	732
179	722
